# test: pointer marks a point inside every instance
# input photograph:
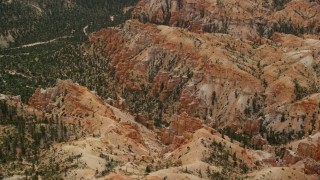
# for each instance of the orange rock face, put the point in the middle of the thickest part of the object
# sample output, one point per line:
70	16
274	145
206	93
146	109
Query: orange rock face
251	127
71	102
291	158
180	129
134	134
212	76
40	100
238	18
312	167
309	150
270	161
184	123
165	64
258	141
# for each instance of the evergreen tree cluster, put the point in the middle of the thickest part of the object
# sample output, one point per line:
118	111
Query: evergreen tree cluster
220	155
42	20
24	136
44	65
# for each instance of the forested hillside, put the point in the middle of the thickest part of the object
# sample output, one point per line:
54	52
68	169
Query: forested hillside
25	136
24	22
40	66
28	22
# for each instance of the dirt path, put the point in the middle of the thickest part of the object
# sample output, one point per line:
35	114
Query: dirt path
85	30
42	42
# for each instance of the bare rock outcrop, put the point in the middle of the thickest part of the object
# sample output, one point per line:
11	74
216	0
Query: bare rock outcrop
238	18
174	71
180	129
291	157
312	167
311	150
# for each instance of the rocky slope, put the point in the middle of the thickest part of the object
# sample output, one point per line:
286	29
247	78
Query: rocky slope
217	78
198	90
266	89
105	137
243	19
109	144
